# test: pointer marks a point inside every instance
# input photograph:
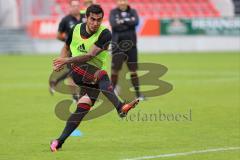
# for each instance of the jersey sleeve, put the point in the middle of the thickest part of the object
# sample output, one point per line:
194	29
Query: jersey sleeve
62	26
104	39
69	38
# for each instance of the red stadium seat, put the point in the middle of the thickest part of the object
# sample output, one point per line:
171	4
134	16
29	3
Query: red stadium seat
159	8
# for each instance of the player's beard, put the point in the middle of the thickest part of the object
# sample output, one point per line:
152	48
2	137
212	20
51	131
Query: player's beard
92	29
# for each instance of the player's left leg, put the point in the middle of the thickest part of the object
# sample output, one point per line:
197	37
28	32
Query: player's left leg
107	89
83	107
71	124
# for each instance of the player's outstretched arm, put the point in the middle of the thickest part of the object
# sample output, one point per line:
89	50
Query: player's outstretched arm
84	58
59	62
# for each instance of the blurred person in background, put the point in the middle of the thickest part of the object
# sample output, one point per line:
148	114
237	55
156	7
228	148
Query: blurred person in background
123	21
8	14
86	4
75	17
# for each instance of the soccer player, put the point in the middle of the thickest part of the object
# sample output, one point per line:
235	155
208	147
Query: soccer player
88	44
67	23
124	20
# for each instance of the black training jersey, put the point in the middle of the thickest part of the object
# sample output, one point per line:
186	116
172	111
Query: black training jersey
124	21
103	41
68	22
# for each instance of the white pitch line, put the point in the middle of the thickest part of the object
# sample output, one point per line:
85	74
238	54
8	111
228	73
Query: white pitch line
184	153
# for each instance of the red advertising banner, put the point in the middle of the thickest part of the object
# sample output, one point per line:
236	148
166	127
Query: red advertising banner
47	28
150	27
43	28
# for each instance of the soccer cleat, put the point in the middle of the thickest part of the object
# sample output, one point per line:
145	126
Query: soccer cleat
55	145
127	107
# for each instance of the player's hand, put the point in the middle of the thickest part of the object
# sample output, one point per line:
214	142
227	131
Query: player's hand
58	63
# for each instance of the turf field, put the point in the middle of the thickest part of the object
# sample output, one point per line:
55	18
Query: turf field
204	101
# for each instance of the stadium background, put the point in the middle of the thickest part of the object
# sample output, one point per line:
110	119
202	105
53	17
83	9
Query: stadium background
197	40
203	25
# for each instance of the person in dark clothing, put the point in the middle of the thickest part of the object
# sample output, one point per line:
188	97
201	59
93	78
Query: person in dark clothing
70	20
123	21
75	17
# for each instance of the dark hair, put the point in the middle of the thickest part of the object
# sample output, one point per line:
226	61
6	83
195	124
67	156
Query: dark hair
94	8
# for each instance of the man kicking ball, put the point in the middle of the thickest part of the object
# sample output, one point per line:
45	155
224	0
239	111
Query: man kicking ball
86	51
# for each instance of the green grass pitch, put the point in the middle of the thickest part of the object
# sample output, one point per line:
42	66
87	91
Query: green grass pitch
207	84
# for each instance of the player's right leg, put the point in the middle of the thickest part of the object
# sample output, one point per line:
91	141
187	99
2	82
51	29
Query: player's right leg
83	107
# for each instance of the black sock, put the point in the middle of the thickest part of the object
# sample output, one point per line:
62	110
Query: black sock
107	89
75	97
135	83
74	121
114	79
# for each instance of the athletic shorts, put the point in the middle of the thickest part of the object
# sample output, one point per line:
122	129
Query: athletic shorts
130	57
83	76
